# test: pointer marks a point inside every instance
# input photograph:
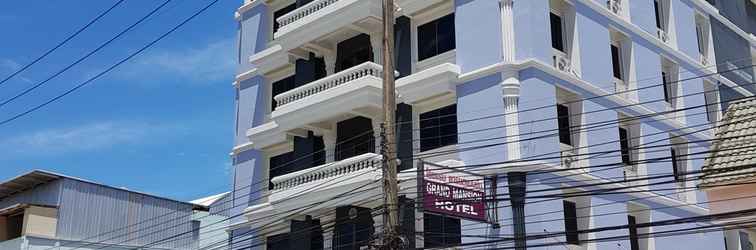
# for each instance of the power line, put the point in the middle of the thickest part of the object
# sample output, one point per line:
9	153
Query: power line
106	43
61	43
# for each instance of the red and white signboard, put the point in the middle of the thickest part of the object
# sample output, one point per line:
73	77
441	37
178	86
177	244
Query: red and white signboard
454	193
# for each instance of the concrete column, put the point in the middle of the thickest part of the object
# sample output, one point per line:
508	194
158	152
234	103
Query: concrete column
507	30
510	90
330	63
376	41
329	141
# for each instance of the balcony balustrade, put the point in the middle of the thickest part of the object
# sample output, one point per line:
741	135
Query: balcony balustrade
615	6
662	35
344	168
561	61
367	69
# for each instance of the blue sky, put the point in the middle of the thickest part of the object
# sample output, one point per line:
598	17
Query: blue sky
161	123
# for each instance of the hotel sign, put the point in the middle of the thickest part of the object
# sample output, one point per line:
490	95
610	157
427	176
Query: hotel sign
455	193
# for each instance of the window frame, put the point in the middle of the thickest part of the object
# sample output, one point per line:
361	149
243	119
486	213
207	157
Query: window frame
448	239
571	224
442	123
433	26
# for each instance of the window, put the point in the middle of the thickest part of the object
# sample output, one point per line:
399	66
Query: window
280	87
701	38
441	231
711	98
678	169
435	37
633	233
658	14
557	39
571	223
353	228
354	137
353	51
625	146
745	242
278	242
563	121
279	165
12	225
617	62
667	88
438	128
281	12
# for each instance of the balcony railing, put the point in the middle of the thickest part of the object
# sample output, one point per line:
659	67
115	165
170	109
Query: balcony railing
704	59
615	6
329	82
662	35
303	11
568	158
562	62
328	170
620	88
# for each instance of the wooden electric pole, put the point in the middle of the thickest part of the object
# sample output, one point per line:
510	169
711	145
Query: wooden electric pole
388	135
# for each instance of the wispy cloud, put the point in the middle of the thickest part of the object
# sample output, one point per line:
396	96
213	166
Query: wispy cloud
8	66
205	64
87	137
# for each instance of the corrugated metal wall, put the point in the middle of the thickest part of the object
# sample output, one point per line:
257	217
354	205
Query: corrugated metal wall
222	206
46	194
95	213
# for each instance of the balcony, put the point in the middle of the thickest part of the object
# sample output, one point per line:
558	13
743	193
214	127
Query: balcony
321	24
350	168
321	189
353	91
621	88
561	61
662	35
615	6
366	70
703	59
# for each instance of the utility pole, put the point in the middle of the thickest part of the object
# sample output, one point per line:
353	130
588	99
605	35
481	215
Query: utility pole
388	134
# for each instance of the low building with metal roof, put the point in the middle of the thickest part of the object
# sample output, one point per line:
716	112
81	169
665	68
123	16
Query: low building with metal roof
44	210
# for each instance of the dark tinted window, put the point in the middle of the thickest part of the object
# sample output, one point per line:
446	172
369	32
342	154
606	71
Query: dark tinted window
352	232
280	87
616	62
438	128
280	13
571	223
441	231
665	85
633	233
435	37
678	172
278	242
557	41
353	51
657	14
354	137
563	120
624	146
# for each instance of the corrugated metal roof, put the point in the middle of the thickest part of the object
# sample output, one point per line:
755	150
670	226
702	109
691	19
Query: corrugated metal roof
733	156
37	177
25	182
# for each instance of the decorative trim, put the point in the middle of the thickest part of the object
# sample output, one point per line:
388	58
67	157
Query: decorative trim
244	8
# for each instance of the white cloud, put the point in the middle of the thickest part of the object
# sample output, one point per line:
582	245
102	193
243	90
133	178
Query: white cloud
212	62
88	137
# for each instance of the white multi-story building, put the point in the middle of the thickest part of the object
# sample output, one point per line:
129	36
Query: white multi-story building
593	89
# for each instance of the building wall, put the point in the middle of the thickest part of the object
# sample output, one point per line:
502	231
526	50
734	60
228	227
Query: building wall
40	221
737	197
152	219
47	194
